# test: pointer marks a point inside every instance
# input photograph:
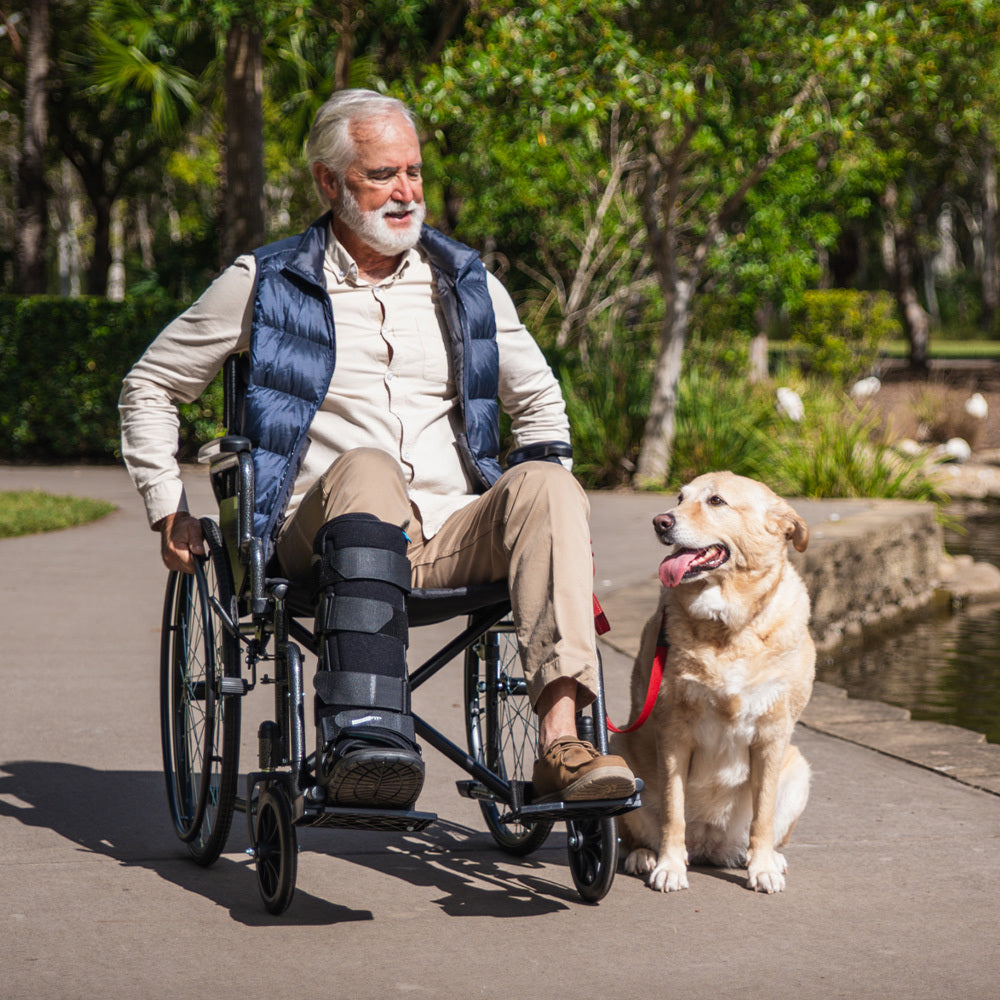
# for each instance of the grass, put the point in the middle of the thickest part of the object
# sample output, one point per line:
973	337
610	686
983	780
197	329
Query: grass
940	349
976	350
27	512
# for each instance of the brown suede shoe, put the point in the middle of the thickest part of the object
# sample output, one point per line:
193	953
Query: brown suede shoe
572	770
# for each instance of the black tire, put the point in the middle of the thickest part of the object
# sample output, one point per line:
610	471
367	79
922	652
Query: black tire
276	850
502	729
593	856
199	725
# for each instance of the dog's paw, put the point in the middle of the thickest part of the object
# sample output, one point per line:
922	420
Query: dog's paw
668	876
641	861
766	872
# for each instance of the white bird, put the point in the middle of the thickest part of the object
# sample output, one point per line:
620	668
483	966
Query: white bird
790	404
976	406
865	388
958	450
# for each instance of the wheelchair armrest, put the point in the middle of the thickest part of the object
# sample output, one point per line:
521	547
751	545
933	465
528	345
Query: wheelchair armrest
232	478
541	451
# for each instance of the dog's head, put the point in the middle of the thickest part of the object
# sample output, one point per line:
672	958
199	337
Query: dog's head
724	522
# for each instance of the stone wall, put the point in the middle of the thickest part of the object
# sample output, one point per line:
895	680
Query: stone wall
866	568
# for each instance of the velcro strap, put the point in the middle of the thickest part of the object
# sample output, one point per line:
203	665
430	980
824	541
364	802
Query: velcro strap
347	688
360	614
364	563
370	723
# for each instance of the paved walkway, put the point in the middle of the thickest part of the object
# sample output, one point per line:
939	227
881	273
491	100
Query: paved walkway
893	881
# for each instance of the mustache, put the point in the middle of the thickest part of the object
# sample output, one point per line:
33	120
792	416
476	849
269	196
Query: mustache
394	207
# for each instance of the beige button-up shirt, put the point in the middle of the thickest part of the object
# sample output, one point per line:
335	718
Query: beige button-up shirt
392	386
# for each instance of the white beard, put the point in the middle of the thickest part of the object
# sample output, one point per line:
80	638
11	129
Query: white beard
372	228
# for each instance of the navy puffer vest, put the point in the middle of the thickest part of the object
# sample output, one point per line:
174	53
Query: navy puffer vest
293	353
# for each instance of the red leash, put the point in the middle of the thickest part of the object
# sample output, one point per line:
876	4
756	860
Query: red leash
655	679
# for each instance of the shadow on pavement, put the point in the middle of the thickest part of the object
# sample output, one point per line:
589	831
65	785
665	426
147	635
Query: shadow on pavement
122	815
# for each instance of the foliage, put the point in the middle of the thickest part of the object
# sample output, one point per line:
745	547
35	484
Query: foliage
61	366
841	332
27	512
726	422
606	405
837	453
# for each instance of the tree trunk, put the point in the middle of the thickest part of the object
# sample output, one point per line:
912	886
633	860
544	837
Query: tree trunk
991	257
653	464
100	260
32	192
900	252
243	205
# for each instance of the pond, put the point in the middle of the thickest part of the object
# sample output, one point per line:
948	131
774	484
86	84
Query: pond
941	666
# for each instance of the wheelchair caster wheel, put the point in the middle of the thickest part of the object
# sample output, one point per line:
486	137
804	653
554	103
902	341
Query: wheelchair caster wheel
593	856
276	849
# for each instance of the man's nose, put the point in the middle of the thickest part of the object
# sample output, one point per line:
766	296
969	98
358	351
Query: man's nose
405	189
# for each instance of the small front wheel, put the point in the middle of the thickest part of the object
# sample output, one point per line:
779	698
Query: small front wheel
593	856
276	848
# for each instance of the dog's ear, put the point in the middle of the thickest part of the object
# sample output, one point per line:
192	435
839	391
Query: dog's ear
785	521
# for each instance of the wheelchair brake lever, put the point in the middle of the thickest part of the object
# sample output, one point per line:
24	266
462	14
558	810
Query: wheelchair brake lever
227	623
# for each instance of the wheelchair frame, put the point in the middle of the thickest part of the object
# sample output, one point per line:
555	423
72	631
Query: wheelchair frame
221	623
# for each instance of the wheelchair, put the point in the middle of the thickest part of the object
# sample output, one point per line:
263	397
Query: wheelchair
231	628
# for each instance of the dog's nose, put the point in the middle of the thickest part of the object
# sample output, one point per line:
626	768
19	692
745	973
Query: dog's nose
663	523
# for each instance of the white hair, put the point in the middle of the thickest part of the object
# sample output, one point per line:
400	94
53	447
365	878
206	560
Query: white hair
330	141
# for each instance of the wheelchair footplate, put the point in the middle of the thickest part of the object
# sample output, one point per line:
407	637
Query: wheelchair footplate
357	818
523	810
307	808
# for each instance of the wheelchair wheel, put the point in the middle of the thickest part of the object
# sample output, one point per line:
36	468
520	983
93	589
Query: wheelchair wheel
593	856
199	725
502	729
276	849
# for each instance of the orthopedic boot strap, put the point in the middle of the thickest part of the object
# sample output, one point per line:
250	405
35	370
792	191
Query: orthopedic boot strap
362	578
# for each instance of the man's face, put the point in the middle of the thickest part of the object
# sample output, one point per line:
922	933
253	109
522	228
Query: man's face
380	198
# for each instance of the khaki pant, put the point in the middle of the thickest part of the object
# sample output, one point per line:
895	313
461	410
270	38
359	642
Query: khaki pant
532	529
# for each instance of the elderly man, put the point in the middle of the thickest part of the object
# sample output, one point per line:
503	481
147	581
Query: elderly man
378	348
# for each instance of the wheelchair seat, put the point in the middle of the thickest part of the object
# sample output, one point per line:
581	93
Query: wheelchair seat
424	606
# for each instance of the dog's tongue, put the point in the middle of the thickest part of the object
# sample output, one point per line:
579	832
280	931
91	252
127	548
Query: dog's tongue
673	568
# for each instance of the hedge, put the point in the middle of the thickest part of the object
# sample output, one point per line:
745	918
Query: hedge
61	366
841	332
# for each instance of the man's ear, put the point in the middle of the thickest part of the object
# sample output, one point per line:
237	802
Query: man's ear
326	179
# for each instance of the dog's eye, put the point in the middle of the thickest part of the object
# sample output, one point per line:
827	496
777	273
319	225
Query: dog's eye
716	501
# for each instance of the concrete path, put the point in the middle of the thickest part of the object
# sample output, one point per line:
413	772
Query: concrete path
893	881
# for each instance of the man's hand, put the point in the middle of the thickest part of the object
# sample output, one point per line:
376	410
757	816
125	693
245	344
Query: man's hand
181	539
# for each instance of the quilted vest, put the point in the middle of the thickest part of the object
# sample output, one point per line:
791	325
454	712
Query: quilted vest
293	353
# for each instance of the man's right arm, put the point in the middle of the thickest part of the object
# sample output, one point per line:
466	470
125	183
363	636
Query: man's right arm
176	368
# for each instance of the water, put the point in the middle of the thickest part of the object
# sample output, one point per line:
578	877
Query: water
943	667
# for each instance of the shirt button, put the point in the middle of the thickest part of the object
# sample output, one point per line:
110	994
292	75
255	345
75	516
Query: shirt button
389	377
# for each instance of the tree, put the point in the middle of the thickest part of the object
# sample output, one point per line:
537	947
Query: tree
243	212
712	97
118	99
32	190
930	117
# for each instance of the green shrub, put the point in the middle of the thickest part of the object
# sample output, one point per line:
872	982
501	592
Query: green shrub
722	422
840	332
607	401
61	365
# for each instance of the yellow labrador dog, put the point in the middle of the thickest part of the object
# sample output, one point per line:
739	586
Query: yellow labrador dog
723	784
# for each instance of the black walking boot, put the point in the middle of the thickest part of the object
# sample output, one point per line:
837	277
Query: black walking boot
368	755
